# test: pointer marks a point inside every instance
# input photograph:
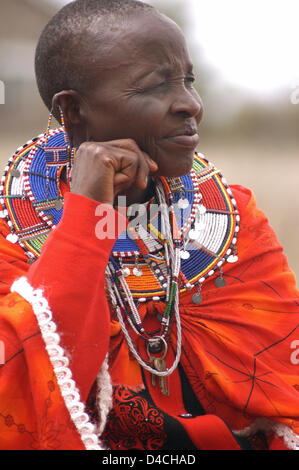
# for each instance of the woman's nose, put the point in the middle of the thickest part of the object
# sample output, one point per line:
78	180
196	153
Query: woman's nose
187	102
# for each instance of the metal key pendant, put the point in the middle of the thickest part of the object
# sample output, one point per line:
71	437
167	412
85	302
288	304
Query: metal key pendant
153	375
160	365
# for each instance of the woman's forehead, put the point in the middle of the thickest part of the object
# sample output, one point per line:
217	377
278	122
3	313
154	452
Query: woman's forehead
144	40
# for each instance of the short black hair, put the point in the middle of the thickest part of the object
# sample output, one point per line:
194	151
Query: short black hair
67	38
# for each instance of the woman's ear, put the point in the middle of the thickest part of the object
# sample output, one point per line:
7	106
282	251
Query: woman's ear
70	104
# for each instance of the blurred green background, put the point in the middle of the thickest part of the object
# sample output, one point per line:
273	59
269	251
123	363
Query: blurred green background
251	119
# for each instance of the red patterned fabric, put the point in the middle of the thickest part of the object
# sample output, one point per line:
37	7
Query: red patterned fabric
237	344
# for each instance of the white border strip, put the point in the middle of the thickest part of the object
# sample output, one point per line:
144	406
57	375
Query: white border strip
60	362
291	439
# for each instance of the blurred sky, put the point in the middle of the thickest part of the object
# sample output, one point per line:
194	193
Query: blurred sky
253	43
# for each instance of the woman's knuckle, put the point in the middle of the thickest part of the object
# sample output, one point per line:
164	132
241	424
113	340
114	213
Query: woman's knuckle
131	142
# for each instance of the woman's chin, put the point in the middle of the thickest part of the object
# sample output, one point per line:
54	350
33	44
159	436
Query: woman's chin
174	171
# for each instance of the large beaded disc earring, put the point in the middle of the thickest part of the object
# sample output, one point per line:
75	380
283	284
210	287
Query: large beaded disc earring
71	151
63	156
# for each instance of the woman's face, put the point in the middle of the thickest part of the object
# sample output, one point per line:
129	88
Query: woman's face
144	91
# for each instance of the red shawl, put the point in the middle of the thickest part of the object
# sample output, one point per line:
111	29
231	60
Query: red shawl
239	345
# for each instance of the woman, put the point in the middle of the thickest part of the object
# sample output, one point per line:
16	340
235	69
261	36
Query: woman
161	336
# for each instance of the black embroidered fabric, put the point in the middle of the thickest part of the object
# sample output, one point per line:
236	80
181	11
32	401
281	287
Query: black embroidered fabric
135	422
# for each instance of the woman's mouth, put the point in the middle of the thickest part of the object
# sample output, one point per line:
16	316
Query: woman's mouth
186	137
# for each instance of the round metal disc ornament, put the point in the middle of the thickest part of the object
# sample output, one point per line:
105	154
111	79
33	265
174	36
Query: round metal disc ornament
193	234
15	172
58	205
12	237
126	272
183	203
202	209
232	259
220	282
184	254
197	298
137	272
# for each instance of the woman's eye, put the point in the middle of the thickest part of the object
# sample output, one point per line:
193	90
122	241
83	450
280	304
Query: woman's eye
152	88
157	85
190	80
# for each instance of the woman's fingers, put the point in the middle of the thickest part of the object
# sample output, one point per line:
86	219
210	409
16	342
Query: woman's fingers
103	169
